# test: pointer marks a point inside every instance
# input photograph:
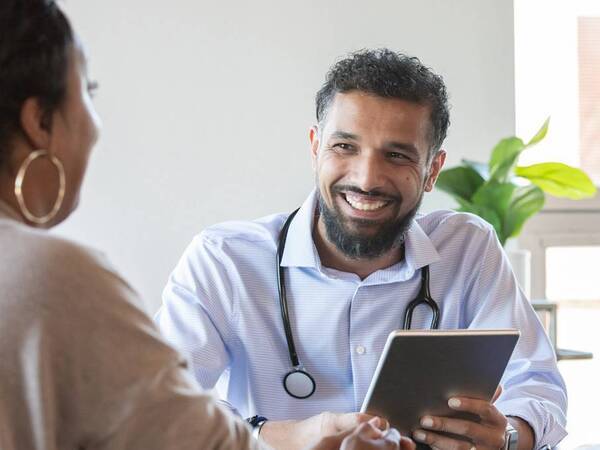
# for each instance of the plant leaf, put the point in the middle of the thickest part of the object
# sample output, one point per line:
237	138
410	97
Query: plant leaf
496	196
541	134
504	158
525	202
481	168
559	179
486	213
460	182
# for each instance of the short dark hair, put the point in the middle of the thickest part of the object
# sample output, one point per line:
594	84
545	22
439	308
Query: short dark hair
385	73
35	38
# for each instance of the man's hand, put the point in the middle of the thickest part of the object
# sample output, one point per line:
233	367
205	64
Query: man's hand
488	434
366	437
298	434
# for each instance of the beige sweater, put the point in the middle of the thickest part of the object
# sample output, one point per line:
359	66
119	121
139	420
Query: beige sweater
82	367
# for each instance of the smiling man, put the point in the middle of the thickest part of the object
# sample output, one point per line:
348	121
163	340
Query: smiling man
373	164
291	312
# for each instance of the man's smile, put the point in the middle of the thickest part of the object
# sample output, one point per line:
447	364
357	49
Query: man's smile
364	203
358	205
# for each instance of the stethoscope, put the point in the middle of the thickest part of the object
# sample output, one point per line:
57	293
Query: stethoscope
298	383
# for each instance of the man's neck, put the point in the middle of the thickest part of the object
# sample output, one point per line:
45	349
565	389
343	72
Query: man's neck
333	258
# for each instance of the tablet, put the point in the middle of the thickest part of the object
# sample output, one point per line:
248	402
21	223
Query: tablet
419	371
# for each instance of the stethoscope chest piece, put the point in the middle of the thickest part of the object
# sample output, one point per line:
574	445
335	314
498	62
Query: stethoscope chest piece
299	384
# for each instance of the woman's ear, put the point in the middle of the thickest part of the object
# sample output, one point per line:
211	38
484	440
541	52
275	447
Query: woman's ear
36	124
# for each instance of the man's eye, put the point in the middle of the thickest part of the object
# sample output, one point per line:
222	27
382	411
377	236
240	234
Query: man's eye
343	146
397	155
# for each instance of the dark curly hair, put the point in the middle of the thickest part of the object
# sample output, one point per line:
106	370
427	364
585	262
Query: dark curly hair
385	73
35	38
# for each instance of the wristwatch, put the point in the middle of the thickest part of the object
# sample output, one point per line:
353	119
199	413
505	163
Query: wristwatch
257	422
511	438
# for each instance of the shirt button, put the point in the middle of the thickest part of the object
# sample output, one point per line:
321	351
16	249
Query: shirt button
361	350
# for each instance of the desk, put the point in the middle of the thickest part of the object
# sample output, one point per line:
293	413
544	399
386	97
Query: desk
547	313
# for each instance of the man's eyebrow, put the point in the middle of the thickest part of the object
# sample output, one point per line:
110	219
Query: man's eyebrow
403	146
344	135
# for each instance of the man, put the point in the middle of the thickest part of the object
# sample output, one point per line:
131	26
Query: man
352	262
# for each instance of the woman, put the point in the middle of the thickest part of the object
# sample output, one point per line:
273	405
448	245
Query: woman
81	366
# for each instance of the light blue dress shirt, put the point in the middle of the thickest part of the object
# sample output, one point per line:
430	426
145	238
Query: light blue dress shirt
221	309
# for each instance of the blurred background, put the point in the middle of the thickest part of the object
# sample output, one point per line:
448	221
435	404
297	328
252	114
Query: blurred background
207	105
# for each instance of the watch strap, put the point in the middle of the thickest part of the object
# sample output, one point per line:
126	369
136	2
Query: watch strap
511	438
256	422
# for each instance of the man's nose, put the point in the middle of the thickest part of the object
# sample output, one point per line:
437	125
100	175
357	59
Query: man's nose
368	172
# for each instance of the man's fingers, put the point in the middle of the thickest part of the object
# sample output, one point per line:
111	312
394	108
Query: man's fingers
472	431
489	433
439	442
488	412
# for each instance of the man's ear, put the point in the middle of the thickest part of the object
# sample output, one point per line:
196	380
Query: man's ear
436	167
35	124
314	144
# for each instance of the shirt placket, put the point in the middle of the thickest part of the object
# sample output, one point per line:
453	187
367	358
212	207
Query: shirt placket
363	356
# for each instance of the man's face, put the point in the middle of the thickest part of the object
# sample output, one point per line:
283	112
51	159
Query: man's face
372	168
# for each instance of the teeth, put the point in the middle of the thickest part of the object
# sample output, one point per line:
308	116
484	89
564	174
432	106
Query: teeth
364	206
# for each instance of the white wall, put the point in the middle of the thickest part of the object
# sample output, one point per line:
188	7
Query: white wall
206	107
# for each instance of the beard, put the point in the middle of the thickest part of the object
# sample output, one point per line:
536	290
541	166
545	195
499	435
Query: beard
357	245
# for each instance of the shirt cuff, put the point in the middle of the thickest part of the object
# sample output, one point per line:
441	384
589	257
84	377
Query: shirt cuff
546	427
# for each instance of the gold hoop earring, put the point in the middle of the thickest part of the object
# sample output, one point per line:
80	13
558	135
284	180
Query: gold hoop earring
19	187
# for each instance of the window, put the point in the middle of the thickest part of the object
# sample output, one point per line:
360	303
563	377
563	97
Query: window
588	41
572	273
557	74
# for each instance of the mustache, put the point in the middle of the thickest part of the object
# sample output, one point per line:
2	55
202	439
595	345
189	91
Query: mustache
375	193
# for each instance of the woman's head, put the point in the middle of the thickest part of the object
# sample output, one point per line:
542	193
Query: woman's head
44	102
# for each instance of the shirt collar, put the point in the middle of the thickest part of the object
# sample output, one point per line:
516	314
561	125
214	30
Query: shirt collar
300	249
419	250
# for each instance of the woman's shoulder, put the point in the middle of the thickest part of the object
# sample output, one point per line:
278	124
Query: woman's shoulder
54	254
40	261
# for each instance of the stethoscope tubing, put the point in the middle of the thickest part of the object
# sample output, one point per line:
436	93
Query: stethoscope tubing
283	305
423	297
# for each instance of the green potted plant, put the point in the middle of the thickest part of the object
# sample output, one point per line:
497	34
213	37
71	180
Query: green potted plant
506	194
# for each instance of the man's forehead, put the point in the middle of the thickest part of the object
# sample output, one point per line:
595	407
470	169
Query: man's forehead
356	111
356	100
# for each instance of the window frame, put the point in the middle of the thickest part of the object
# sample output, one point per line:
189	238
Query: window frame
561	223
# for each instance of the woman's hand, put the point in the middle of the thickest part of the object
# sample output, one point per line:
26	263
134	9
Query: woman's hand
298	434
367	436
